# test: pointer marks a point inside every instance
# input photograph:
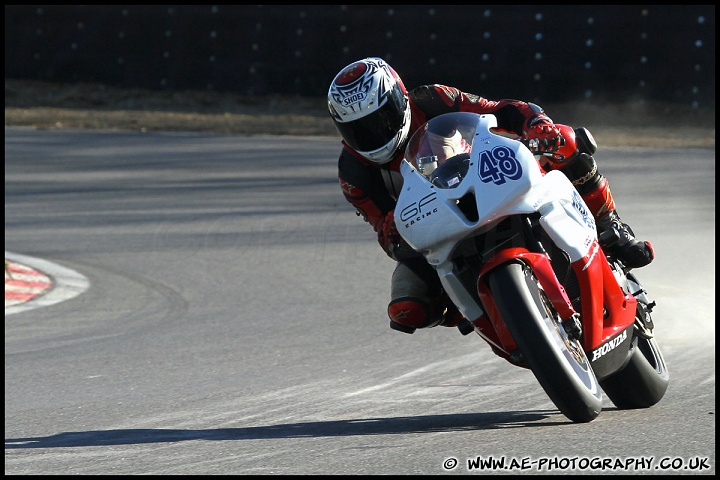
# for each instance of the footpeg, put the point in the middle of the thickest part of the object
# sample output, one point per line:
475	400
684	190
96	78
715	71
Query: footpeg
465	326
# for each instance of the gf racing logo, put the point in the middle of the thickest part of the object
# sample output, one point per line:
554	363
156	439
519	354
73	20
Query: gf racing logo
416	211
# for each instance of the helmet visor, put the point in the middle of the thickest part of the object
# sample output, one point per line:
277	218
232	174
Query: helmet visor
375	130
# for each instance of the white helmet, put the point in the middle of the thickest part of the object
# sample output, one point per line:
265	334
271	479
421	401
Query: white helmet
369	105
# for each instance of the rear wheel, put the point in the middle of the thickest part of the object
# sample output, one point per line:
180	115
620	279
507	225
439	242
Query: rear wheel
643	381
557	360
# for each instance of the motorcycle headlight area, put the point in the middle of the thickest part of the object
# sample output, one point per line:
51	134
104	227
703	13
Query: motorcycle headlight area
450	173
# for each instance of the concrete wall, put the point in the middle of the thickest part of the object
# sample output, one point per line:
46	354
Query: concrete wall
540	53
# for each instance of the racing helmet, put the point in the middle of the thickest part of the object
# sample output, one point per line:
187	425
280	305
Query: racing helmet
369	106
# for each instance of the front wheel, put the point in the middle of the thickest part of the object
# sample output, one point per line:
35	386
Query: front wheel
557	360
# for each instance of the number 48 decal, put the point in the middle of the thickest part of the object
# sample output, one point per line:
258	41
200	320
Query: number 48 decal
498	165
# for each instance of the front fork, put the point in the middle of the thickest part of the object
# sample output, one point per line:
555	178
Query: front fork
606	310
539	263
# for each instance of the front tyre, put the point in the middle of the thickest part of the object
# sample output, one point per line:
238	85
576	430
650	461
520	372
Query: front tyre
558	361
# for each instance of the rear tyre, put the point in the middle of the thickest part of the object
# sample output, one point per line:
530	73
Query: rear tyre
643	381
557	360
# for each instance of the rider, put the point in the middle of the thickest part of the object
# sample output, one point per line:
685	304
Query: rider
376	115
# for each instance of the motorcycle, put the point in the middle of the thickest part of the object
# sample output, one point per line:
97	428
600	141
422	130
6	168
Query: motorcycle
517	251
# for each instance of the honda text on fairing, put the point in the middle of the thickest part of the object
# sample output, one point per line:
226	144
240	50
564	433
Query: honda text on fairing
516	250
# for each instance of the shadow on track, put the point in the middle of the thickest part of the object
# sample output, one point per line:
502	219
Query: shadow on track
336	428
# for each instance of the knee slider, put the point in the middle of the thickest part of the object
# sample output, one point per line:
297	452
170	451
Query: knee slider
409	312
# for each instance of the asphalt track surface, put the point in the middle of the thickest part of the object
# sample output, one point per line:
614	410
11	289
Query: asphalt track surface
234	322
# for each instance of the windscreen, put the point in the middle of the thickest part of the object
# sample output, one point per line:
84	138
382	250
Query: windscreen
440	149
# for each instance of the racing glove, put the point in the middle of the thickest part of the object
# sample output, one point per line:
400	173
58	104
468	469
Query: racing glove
390	240
544	139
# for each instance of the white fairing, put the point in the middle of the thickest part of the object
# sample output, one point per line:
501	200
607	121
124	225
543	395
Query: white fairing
504	178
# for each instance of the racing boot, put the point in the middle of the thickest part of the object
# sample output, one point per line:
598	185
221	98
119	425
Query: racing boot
616	237
618	240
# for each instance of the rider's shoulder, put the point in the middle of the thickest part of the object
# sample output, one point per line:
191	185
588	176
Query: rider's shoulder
432	91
